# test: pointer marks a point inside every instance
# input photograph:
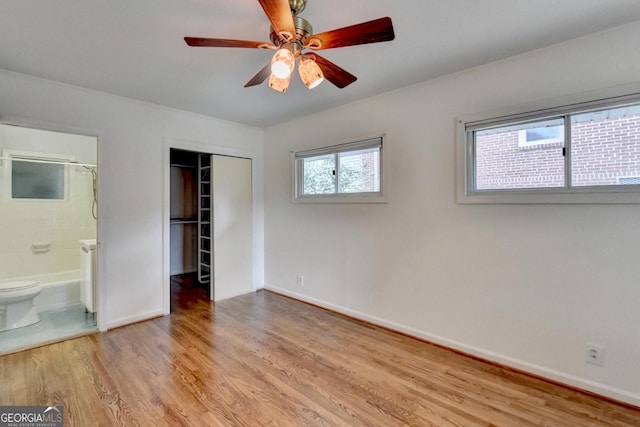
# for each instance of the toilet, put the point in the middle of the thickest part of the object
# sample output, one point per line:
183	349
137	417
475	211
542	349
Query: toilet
16	304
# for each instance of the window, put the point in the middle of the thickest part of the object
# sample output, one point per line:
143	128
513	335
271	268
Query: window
582	153
36	180
349	173
36	176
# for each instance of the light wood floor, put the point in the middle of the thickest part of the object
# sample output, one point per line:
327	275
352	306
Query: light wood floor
262	359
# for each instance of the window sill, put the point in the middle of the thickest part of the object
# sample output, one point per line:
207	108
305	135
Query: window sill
531	197
343	198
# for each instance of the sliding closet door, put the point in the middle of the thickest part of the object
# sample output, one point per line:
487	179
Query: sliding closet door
232	227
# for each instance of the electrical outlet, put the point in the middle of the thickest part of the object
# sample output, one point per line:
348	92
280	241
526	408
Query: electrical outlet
300	280
595	354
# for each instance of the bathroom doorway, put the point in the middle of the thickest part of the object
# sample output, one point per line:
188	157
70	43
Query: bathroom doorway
48	247
211	224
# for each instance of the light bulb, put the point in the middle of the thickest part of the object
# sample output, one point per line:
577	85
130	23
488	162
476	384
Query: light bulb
310	73
283	63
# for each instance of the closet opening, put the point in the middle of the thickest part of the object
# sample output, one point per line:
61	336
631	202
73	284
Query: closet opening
191	239
210	230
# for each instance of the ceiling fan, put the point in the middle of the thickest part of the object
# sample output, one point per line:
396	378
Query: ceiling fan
293	39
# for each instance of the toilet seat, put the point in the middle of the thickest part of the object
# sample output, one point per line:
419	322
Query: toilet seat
17	286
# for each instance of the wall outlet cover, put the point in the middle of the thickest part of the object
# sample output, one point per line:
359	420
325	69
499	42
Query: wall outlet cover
594	354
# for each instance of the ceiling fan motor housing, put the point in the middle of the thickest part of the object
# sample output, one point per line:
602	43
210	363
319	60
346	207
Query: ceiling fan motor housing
303	30
297	6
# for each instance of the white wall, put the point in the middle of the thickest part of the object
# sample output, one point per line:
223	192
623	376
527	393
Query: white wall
527	286
131	165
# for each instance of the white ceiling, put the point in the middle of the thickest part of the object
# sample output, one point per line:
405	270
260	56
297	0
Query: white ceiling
135	48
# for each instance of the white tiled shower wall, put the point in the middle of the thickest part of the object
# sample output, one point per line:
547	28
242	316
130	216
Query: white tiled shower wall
59	223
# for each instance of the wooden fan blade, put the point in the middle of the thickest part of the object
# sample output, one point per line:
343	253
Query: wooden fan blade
279	14
206	42
261	76
378	30
336	75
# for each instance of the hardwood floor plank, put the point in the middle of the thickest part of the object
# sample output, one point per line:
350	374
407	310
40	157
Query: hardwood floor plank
263	359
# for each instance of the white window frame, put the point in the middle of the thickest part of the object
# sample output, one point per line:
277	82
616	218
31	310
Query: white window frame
297	158
8	154
465	173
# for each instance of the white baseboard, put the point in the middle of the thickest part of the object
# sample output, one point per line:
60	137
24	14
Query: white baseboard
123	321
540	371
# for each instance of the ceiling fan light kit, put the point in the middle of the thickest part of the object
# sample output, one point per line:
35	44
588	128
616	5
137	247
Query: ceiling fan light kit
310	73
279	84
283	63
290	35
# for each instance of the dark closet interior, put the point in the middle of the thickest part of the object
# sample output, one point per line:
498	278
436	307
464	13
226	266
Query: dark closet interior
190	216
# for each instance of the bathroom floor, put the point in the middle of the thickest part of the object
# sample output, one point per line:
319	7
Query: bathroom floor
54	325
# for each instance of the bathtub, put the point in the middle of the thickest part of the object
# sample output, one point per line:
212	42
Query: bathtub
59	290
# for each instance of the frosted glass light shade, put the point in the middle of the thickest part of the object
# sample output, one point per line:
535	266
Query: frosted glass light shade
279	84
310	73
282	63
